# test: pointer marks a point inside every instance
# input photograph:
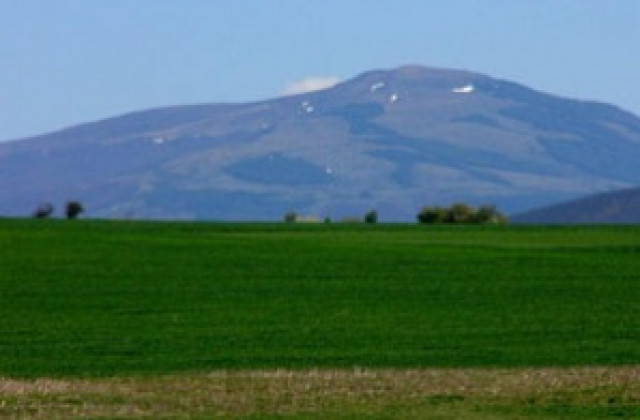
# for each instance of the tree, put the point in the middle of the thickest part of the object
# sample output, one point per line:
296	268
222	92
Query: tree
73	209
44	211
490	215
432	215
291	217
371	217
461	213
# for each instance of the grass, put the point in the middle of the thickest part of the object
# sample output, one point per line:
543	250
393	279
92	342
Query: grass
192	320
107	298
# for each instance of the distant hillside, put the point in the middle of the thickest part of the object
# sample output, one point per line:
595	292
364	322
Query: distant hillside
390	140
611	207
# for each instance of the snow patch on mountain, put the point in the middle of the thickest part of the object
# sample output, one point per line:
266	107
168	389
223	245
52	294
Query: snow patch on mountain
464	89
377	86
307	107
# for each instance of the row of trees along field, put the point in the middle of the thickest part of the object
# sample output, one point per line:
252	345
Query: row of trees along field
71	210
461	213
458	213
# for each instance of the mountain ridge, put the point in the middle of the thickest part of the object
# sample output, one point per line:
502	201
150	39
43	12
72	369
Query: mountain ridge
619	206
392	140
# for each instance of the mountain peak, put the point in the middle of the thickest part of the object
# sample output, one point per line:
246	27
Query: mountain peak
414	72
391	140
419	70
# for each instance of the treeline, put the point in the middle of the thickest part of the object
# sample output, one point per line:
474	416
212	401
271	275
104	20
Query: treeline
458	213
461	213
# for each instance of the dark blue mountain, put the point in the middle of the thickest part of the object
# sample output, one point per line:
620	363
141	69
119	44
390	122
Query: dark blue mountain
621	207
392	140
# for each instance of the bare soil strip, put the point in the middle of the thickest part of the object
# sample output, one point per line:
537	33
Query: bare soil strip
284	392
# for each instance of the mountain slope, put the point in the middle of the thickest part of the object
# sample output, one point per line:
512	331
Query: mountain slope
610	207
393	140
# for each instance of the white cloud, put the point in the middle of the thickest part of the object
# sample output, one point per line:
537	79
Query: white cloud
311	84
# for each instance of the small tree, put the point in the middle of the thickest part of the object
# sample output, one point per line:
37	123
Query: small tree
73	209
432	215
490	215
371	217
461	213
291	217
44	211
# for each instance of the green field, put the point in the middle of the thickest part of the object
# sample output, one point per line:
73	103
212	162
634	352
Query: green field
95	299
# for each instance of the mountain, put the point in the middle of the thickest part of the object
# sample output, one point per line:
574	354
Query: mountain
391	140
610	207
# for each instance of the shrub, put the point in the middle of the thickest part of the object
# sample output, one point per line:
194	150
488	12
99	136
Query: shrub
371	217
490	215
291	217
432	215
44	211
461	213
73	209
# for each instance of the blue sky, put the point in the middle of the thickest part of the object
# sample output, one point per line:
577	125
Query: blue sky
64	62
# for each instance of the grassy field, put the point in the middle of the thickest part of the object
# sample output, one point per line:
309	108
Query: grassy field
90	301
